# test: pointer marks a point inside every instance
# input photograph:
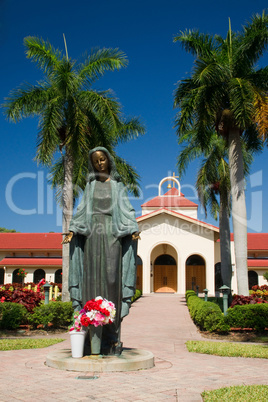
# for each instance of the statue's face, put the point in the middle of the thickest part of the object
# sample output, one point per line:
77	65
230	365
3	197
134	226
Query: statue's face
100	162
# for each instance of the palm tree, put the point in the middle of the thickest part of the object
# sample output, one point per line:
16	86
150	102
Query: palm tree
213	182
73	117
213	185
227	92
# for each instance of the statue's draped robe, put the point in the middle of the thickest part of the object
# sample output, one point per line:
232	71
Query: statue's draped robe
102	252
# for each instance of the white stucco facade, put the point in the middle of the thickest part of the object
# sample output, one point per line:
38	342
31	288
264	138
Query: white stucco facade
169	227
167	232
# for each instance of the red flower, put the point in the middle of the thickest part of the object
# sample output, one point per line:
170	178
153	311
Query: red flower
85	321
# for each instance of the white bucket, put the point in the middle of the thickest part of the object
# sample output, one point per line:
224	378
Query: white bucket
77	343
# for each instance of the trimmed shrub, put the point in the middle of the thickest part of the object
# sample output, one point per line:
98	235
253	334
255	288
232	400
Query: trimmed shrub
216	300
55	314
12	315
189	293
41	316
253	316
254	298
207	315
27	298
62	313
136	296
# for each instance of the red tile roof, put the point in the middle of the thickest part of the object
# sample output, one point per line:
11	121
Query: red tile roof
171	199
34	241
30	261
257	262
256	241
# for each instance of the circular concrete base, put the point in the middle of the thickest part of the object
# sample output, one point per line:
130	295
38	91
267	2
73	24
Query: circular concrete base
129	360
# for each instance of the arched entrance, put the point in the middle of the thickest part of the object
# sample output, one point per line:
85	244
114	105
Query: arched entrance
16	278
58	276
139	274
165	274
38	275
2	276
252	279
195	273
218	278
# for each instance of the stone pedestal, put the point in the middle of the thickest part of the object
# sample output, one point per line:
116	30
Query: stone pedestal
129	360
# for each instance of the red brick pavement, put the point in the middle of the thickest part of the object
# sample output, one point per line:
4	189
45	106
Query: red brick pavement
157	322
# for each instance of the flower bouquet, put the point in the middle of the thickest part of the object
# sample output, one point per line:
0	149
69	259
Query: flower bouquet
95	313
76	325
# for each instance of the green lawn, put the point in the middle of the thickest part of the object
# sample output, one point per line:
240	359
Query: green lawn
33	343
228	349
241	393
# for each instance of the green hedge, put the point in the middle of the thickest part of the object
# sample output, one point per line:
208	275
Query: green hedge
55	314
12	315
137	295
253	316
207	315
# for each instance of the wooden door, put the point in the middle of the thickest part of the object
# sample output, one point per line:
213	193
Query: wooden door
139	277
196	275
165	278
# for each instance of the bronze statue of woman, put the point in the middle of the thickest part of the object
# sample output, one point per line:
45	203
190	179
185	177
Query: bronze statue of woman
103	245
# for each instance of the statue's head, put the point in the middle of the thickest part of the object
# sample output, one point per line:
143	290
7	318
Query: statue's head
102	163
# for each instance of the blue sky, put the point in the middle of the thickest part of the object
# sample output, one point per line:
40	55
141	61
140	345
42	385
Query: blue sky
144	30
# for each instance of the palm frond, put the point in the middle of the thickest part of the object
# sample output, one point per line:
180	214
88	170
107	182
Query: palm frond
260	78
42	53
242	97
104	105
196	43
189	153
129	176
261	114
48	140
253	40
208	73
28	100
129	129
65	79
253	141
100	61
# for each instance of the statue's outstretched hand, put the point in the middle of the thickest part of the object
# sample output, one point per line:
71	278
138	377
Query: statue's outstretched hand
68	237
136	236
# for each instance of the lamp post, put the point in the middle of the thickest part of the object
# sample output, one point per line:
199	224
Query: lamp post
206	294
47	286
225	290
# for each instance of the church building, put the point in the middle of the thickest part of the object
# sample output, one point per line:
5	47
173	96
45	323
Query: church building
176	252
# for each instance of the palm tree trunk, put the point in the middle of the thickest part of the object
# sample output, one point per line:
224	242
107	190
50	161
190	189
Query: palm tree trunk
239	213
224	224
67	211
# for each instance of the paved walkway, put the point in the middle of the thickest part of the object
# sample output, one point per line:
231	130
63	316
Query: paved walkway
157	322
